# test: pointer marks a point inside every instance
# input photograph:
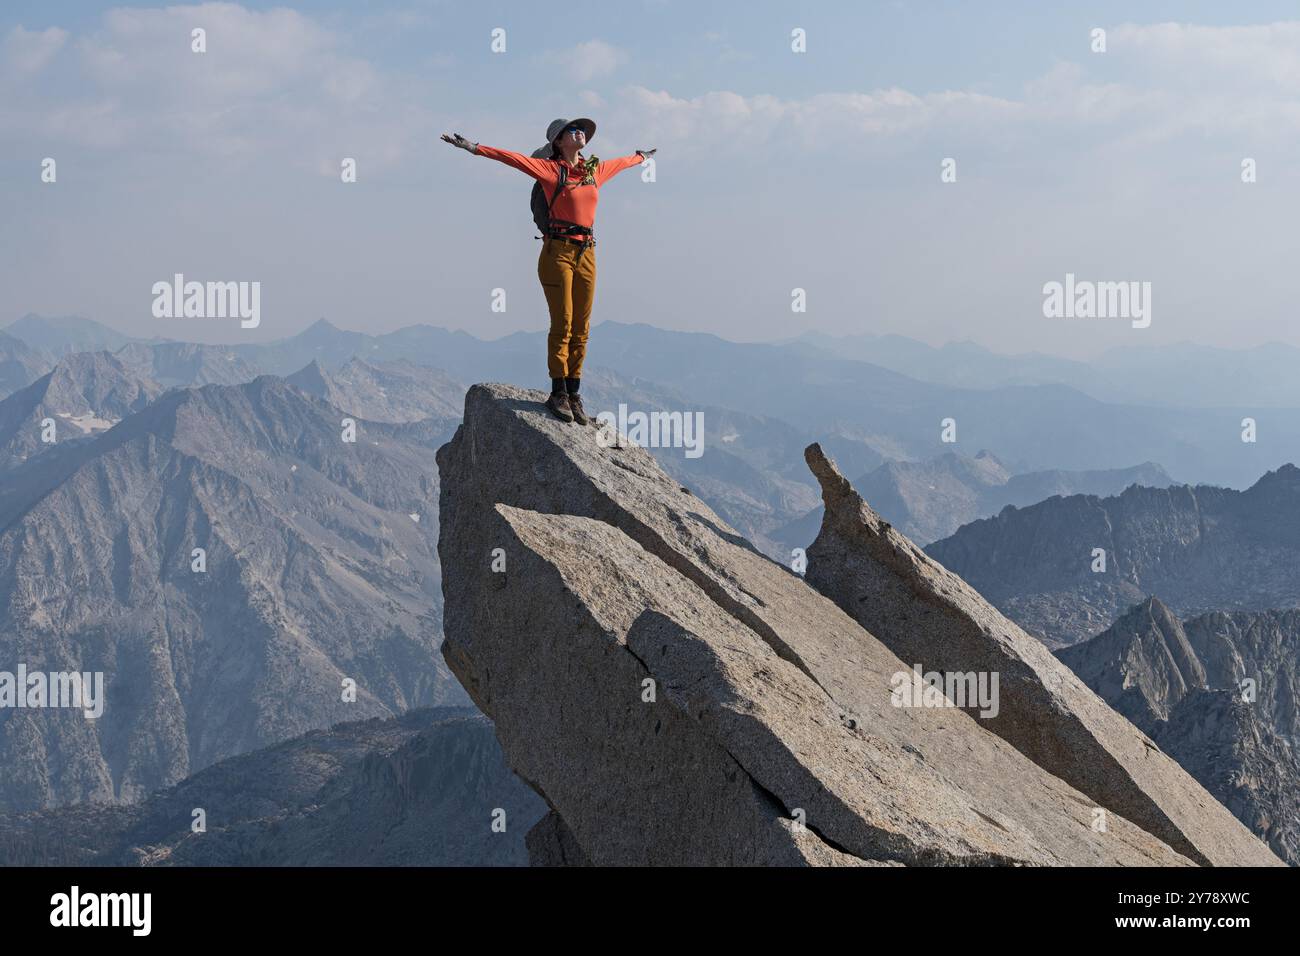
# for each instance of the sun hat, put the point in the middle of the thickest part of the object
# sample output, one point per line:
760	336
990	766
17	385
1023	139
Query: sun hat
556	128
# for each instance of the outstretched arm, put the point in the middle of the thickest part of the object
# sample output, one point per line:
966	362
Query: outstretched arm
537	168
610	168
541	169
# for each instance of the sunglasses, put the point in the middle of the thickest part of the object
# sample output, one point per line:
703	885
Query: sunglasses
574	129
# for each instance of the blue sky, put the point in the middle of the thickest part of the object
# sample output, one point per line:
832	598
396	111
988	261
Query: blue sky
776	170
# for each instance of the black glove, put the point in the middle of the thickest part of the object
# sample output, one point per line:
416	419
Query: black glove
644	153
460	141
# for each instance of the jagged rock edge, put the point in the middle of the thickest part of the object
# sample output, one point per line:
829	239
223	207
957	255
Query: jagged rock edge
893	552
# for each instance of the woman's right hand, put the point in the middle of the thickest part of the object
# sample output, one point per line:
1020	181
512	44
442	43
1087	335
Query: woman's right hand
457	140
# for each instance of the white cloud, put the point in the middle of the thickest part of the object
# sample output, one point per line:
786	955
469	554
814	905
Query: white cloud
1260	57
249	53
728	120
281	81
27	51
588	60
272	81
1157	83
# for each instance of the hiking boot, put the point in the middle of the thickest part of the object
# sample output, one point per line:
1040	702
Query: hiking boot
575	406
558	403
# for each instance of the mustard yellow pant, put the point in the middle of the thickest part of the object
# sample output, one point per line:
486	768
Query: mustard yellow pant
569	282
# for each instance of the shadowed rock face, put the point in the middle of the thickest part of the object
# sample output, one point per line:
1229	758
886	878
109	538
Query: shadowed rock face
422	789
551	843
397	391
679	698
929	616
1183	683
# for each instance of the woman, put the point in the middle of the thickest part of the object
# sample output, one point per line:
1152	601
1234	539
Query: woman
567	265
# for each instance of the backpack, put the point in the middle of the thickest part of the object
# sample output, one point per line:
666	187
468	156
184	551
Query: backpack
542	210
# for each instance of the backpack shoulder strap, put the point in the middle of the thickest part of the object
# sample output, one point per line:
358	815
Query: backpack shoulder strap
559	184
560	180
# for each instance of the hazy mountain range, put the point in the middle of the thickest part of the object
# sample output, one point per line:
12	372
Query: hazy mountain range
1199	548
58	335
320	553
319	566
1179	375
864	412
929	500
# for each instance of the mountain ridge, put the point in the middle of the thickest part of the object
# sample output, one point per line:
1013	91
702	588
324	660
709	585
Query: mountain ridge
1184	683
316	569
1201	547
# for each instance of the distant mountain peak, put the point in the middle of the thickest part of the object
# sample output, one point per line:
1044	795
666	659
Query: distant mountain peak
1287	475
33	319
62	334
1153	607
323	330
1156	612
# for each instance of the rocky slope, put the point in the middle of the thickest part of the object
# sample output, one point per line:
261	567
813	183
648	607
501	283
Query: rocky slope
417	790
84	394
186	364
748	469
20	364
677	697
395	391
1200	548
320	566
1183	684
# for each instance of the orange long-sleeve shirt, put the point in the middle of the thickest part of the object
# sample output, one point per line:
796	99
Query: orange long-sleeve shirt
575	203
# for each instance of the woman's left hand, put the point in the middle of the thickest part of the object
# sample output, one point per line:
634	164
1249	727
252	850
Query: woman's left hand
646	153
